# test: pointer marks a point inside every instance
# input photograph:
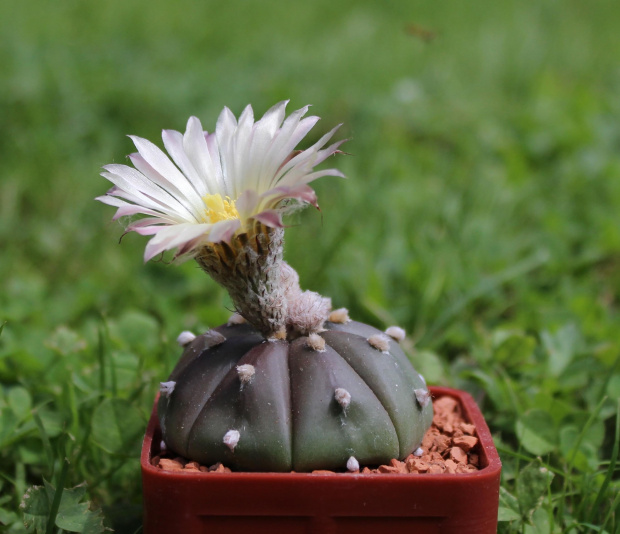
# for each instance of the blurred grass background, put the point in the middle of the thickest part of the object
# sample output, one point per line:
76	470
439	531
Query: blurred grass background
481	213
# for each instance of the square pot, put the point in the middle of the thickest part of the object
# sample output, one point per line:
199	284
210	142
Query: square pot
191	502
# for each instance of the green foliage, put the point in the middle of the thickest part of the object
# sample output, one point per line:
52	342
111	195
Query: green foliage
536	431
532	487
69	514
117	427
481	213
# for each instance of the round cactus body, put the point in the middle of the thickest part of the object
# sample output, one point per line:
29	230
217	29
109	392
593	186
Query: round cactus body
310	403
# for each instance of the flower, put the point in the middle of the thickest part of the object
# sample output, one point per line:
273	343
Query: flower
217	185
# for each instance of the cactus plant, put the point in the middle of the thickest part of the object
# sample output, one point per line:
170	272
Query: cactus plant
288	383
309	403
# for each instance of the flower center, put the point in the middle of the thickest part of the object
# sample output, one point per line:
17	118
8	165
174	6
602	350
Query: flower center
219	209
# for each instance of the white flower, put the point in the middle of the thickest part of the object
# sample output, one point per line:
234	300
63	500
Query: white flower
218	184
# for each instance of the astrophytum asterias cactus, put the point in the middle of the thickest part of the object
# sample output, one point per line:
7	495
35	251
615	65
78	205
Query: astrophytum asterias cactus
309	403
288	383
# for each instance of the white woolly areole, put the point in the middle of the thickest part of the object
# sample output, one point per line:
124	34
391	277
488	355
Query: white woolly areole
352	464
231	438
423	396
316	342
341	315
289	280
396	333
246	372
380	342
185	338
343	397
418	452
166	388
235	318
307	311
213	338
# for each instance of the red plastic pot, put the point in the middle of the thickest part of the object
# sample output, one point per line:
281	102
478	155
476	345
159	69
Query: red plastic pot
189	503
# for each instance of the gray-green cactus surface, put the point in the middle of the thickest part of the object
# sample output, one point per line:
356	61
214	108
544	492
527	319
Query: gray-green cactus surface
279	405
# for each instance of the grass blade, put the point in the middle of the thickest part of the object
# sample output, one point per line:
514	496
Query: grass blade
101	358
47	446
60	485
610	470
486	286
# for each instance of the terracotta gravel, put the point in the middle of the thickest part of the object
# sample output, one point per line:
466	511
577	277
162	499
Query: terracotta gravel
449	446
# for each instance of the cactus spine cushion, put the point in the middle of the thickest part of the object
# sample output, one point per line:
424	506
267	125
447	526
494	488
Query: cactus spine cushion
279	405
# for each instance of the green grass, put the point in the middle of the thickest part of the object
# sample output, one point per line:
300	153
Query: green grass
481	212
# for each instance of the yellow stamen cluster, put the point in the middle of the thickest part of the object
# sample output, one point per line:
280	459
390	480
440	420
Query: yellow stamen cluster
219	209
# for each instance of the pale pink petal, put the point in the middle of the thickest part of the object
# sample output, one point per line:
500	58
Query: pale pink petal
148	226
299	177
292	132
281	148
173	141
241	172
214	152
187	250
170	237
114	192
112	200
246	203
314	154
322	155
305	160
195	146
223	230
137	198
226	125
133	209
162	164
246	119
135	183
287	141
272	119
182	190
270	218
265	131
303	193
224	131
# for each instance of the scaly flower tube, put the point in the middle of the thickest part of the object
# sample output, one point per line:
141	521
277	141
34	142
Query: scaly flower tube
218	185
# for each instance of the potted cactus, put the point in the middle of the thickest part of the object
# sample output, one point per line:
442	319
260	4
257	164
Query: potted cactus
289	385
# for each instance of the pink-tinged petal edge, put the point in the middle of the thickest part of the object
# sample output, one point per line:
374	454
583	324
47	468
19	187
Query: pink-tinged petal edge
270	218
303	193
223	230
170	237
247	201
148	226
